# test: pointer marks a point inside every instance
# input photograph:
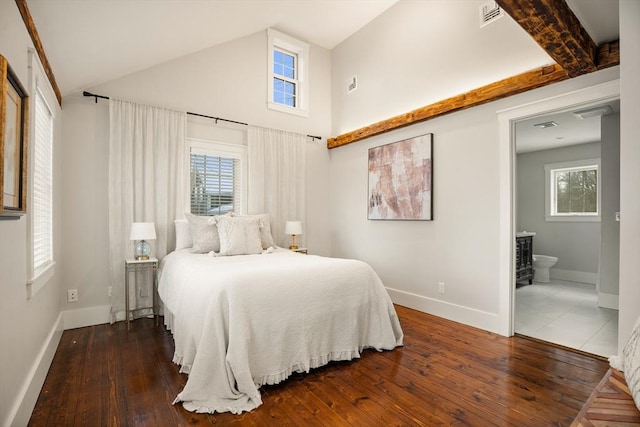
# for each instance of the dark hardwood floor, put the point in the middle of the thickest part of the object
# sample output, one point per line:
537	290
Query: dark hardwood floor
446	374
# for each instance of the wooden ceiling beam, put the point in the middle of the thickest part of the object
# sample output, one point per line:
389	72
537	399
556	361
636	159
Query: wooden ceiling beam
557	30
31	28
494	91
608	54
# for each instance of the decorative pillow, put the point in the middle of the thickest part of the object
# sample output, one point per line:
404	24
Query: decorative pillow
204	233
266	239
183	234
631	363
239	236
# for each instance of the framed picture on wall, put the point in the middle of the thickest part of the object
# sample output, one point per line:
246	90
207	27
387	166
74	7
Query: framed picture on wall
14	124
401	180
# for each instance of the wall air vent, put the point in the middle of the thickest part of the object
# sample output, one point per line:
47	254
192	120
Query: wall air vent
353	84
490	12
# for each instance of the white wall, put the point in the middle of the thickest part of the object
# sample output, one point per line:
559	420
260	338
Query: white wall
576	244
85	223
29	329
458	247
629	170
402	54
608	286
461	246
227	81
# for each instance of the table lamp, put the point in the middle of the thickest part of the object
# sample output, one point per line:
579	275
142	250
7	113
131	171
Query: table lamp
293	228
142	231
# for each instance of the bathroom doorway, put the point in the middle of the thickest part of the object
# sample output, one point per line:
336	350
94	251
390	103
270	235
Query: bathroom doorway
566	196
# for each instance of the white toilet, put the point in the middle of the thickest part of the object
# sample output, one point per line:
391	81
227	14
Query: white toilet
541	266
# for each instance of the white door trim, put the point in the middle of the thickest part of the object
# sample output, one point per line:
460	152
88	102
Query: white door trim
506	132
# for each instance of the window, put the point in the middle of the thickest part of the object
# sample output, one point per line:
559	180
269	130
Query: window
216	184
284	77
42	186
40	209
573	191
288	63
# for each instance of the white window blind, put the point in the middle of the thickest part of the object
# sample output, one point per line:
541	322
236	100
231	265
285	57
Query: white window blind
215	184
42	185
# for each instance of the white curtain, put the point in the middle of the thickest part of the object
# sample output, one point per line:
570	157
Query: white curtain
146	149
277	178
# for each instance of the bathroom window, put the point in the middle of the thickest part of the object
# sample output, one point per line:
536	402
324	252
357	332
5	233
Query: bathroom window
573	191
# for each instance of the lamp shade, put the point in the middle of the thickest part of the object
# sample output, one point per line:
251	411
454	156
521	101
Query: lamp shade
142	231
293	228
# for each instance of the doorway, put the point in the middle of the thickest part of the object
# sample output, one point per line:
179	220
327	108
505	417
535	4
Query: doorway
594	95
561	161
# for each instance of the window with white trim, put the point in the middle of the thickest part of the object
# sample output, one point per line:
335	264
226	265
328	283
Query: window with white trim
44	106
288	76
573	191
217	177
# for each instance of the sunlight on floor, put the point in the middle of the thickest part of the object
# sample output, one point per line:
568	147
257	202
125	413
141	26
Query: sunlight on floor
567	313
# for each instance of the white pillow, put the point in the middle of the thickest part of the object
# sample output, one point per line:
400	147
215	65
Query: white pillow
204	233
631	362
239	236
266	239
183	234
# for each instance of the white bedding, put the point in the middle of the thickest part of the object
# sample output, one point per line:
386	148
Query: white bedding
243	321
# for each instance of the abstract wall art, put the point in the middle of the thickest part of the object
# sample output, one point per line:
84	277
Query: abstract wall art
401	180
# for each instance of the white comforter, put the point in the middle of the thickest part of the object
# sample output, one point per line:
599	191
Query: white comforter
243	321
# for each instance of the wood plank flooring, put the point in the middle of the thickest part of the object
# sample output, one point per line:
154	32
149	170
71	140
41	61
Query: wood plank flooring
446	374
610	404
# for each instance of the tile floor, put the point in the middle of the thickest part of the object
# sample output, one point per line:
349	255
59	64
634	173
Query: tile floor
567	313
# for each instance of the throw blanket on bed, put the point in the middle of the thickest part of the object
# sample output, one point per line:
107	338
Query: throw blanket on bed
243	321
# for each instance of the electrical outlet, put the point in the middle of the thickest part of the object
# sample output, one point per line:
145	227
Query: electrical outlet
441	287
110	291
72	295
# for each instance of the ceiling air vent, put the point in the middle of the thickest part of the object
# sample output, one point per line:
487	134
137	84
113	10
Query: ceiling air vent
545	125
593	112
490	12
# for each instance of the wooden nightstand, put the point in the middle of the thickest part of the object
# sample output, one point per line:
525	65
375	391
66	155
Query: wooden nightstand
301	251
140	266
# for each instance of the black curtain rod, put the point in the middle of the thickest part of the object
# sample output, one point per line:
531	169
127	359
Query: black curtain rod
93	95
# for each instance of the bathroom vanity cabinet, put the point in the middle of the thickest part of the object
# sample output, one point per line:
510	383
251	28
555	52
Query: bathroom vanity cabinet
524	257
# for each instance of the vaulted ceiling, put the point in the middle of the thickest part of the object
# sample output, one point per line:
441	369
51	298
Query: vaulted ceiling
91	42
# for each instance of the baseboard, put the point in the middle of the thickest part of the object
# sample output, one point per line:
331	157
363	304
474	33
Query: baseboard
608	300
454	312
574	276
89	316
28	394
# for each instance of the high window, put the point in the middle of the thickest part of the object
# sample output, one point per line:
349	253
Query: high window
217	178
573	191
285	81
288	64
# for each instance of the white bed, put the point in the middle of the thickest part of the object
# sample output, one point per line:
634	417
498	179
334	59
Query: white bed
243	321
